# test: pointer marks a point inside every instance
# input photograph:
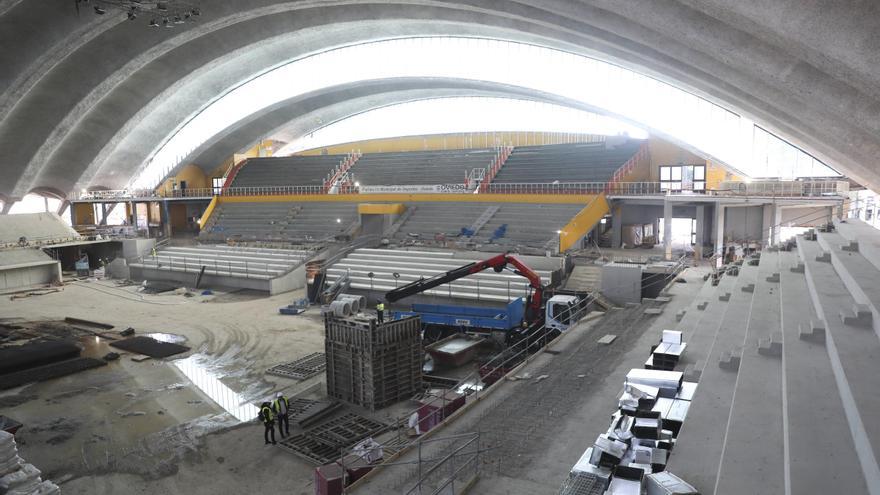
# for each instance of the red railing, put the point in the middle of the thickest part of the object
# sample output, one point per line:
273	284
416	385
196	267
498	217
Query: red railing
341	169
498	162
629	166
232	173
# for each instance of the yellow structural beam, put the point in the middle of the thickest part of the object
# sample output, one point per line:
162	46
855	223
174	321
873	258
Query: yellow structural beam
208	211
381	208
410	198
585	220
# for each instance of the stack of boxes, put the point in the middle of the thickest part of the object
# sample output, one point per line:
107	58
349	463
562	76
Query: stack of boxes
18	477
631	456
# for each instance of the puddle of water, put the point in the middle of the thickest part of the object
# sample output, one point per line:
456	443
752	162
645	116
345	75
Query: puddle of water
94	346
198	369
167	337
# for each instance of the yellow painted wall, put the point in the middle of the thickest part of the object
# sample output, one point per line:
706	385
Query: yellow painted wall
85	213
208	211
381	208
666	153
193	175
585	220
409	198
454	141
715	173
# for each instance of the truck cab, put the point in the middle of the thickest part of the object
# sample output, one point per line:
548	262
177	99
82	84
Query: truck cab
561	312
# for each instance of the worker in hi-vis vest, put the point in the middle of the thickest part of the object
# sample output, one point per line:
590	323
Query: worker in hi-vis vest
268	418
380	311
280	406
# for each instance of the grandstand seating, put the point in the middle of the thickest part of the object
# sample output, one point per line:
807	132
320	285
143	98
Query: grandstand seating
524	224
286	171
593	162
527	224
487	286
280	221
419	167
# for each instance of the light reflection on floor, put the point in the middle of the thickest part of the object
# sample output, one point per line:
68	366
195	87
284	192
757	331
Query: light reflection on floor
167	337
194	368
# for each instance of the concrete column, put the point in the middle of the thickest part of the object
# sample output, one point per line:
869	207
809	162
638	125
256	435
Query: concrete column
719	229
166	219
767	224
7	206
103	214
776	238
667	228
616	225
701	219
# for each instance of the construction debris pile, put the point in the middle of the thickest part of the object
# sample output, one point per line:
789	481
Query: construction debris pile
373	364
631	457
18	477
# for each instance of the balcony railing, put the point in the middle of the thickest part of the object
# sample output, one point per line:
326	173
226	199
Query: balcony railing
821	188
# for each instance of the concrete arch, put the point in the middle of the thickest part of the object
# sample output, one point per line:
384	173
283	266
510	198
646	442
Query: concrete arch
806	72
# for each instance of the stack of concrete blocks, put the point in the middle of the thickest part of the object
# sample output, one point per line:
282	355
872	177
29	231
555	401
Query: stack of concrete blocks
373	364
16	476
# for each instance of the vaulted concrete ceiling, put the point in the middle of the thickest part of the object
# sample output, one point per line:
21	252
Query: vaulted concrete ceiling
85	99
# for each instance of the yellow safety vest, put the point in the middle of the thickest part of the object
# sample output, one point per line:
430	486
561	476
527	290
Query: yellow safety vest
277	404
267	414
380	307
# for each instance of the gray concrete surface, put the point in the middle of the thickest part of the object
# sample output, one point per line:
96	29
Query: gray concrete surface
537	431
853	352
99	92
816	432
85	426
753	459
700	443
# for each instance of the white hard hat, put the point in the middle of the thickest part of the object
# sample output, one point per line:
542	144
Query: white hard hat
279	395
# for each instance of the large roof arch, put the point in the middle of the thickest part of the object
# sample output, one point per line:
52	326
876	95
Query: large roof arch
85	100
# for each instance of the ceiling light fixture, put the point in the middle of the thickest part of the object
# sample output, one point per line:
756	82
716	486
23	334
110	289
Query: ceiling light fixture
176	11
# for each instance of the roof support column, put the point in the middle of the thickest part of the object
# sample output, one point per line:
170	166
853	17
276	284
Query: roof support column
667	228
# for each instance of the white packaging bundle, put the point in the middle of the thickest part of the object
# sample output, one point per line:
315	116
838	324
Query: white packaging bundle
23	481
46	488
10	465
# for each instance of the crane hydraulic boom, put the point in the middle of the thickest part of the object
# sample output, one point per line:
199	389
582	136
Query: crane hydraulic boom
497	263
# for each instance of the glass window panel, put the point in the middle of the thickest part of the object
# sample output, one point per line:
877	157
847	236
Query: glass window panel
664	173
676	173
699	172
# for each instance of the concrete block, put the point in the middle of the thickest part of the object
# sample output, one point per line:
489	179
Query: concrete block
773	278
679	315
653	311
702	305
749	288
771	346
799	268
730	361
607	339
663	299
724	297
825	257
861	317
853	247
813	332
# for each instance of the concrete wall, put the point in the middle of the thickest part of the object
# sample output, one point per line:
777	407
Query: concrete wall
293	280
805	216
743	223
621	282
27	276
132	248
